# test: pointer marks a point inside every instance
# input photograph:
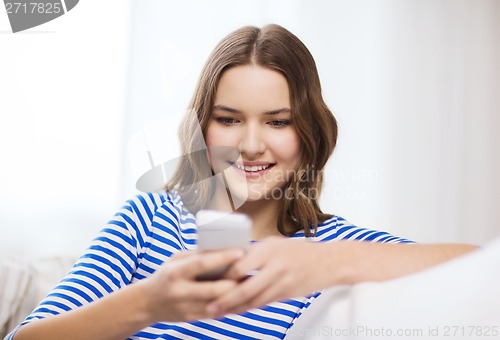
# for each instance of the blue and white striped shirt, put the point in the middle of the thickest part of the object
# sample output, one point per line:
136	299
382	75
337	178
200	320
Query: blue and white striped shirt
146	231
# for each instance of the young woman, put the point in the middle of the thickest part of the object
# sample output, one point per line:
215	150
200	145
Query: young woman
259	94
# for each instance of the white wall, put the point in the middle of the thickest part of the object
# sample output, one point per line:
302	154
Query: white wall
62	100
412	83
440	110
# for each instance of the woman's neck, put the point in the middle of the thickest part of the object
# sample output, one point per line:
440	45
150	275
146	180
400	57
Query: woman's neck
264	215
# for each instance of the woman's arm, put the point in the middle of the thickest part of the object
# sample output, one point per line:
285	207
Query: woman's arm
115	316
171	294
353	262
289	268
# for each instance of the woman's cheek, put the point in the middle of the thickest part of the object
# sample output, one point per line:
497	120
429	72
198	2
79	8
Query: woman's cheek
221	137
286	147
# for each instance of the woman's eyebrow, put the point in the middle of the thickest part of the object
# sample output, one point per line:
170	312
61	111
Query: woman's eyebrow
232	110
225	108
278	111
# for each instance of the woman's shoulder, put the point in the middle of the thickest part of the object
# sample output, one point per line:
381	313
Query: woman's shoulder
145	209
337	228
161	217
149	203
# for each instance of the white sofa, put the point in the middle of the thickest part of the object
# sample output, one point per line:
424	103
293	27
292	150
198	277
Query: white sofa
23	283
459	299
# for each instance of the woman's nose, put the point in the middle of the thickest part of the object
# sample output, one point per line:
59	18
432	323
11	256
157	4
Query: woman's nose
252	141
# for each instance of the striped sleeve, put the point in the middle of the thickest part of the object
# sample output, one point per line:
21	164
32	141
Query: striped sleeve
108	264
337	228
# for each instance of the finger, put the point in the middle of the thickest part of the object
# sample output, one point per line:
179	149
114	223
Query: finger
182	255
192	266
194	311
246	266
243	293
190	311
203	291
255	257
240	270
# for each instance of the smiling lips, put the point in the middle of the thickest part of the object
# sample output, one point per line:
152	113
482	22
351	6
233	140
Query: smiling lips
253	169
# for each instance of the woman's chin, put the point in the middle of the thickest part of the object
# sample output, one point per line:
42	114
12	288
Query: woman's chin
242	194
240	197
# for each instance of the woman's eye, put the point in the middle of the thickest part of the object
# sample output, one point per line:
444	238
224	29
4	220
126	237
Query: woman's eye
227	121
280	123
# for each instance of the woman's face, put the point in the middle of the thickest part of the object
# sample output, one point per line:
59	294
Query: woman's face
252	114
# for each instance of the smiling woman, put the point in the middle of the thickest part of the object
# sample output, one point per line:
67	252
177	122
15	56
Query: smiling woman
259	95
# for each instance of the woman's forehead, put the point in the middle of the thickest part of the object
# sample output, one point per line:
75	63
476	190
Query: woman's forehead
254	88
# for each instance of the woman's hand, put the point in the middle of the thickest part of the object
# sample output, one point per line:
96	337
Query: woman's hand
284	268
172	292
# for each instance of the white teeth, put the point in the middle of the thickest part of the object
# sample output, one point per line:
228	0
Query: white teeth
252	168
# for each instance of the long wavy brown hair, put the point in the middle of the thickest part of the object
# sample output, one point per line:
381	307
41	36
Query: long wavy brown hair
276	48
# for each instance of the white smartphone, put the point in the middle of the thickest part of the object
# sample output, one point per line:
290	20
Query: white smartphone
219	230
